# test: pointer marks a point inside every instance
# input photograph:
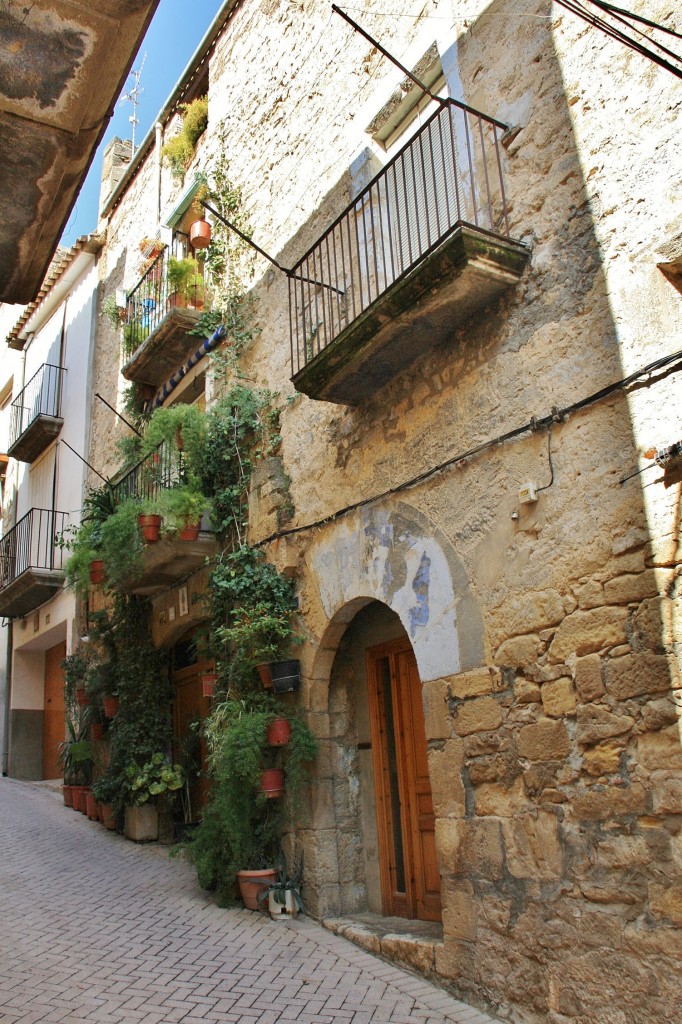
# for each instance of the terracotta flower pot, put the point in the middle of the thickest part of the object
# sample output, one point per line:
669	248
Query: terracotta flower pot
80	798
97	730
252	884
82	698
108	816
190	531
91	808
151	528
208	681
278	733
97	574
67	792
200	234
265	675
272	782
110	706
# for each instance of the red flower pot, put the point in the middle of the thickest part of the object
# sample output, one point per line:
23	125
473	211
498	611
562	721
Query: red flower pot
110	706
82	698
97	730
200	234
272	782
97	574
91	806
208	681
79	798
108	816
278	733
265	675
252	884
190	531
151	527
68	795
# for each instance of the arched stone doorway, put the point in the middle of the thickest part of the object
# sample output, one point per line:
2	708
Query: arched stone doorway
382	793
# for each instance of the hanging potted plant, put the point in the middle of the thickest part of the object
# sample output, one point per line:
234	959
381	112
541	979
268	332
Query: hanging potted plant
208	683
182	509
110	702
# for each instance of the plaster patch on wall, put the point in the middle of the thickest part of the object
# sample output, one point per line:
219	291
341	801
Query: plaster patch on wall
395	555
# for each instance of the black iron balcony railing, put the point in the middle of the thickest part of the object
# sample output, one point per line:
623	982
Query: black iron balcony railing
449	174
33	544
42	396
157	472
155	294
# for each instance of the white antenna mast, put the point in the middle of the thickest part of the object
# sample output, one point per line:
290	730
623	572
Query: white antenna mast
133	96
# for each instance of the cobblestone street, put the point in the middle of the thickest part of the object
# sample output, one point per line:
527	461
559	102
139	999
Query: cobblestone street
95	928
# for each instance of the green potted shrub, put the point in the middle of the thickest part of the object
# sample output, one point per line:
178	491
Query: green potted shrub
240	835
283	896
76	757
185	282
146	785
106	791
182	509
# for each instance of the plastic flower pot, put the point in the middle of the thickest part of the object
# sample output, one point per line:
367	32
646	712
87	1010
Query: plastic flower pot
286	676
91	808
108	816
97	730
82	698
67	792
278	733
272	782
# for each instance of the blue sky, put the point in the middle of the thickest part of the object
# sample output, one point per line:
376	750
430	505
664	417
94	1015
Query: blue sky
174	34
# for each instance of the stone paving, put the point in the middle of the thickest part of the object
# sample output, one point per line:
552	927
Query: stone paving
94	928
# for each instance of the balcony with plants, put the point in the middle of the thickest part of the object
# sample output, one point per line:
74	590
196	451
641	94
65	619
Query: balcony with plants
32	561
36	414
160	313
424	247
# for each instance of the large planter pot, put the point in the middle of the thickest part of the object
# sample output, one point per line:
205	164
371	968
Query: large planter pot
110	706
80	794
190	532
108	816
141	823
97	574
82	698
278	733
282	911
91	808
150	527
67	792
272	782
252	884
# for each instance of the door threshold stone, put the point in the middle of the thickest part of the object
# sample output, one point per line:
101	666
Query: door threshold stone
410	943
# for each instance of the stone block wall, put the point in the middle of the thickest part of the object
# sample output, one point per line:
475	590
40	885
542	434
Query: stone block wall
546	635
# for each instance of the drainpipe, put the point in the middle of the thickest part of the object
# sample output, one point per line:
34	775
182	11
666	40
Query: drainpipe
8	696
158	128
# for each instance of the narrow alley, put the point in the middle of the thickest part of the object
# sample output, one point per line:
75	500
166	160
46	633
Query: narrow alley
95	928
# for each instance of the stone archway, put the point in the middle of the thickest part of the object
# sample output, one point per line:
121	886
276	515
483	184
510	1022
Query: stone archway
383	563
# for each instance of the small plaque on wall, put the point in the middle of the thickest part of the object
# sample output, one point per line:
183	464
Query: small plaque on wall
183	604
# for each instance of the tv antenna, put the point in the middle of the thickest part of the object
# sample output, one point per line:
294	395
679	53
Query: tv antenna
133	96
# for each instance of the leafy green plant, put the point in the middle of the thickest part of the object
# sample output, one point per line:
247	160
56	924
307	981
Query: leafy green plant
283	884
121	545
178	152
83	547
181	506
76	753
185	279
112	312
158	777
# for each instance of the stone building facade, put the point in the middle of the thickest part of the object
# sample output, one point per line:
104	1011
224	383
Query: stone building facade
477	508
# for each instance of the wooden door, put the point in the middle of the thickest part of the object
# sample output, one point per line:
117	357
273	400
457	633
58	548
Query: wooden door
410	881
54	710
189	708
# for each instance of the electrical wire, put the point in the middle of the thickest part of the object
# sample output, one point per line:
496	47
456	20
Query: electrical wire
672	362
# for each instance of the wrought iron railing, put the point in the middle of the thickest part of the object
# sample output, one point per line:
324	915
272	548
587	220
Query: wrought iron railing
42	396
36	542
156	292
449	174
157	472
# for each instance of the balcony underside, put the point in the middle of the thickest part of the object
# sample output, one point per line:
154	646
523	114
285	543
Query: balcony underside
35	439
168	561
463	275
28	591
165	349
